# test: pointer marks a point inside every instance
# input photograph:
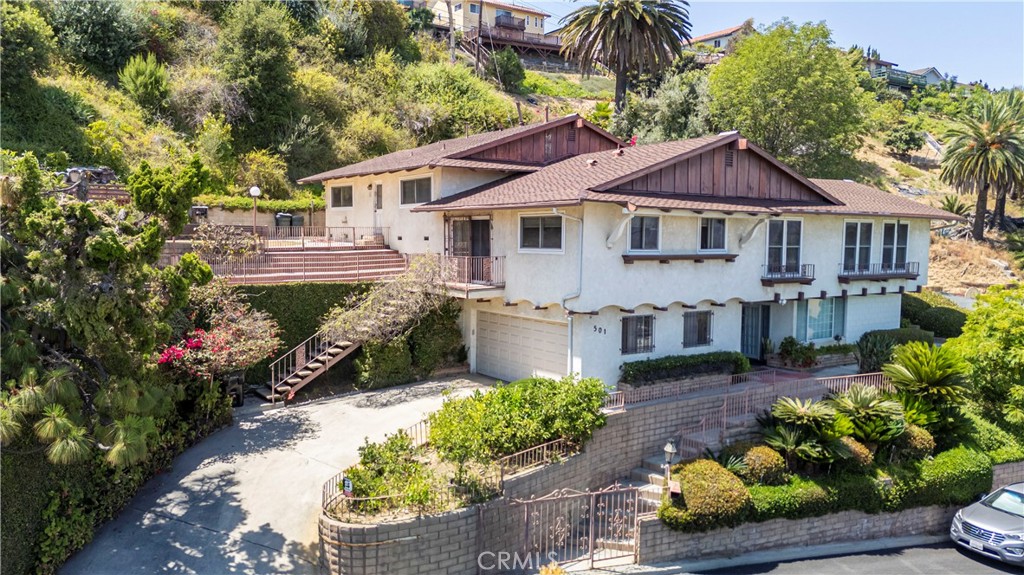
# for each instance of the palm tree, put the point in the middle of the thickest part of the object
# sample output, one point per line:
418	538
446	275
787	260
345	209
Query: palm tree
986	151
935	374
1014	101
627	36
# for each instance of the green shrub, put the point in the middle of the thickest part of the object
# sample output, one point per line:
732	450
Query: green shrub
903	335
986	436
679	366
860	456
384	364
764	466
25	46
145	80
837	349
436	341
101	34
944	321
507	69
264	169
297	204
797	354
800	497
712	497
955	477
874	349
467	99
915	444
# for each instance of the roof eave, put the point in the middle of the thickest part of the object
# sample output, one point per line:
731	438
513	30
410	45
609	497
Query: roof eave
491	207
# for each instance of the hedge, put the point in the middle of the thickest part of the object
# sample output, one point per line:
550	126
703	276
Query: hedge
648	371
244	203
933	312
997	443
26	481
953	477
712	497
904	335
803	497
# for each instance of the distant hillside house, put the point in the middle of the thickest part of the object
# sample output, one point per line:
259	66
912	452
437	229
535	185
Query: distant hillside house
502	24
895	78
930	75
719	39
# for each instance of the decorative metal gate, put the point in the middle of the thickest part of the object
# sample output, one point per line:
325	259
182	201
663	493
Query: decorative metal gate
568	526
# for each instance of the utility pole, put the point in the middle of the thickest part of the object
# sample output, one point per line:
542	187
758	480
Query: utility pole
479	34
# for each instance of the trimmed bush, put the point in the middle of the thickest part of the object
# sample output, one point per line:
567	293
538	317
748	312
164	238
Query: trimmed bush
944	321
915	444
712	498
437	340
955	477
384	364
860	456
904	335
802	497
986	436
648	371
764	466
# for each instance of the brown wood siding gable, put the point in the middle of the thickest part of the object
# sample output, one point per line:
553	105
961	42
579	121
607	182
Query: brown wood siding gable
749	176
548	146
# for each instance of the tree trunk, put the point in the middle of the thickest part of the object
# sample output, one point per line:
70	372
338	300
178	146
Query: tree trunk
999	216
620	90
451	31
979	213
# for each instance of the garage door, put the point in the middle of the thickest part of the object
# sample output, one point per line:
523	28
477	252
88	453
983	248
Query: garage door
511	347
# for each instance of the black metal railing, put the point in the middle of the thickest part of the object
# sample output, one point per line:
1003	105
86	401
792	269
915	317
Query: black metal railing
904	270
787	272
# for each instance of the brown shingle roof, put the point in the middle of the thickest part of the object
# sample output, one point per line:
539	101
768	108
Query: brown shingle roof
859	199
714	35
441	153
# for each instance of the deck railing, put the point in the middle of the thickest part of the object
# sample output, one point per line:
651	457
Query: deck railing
311	237
878	270
478	270
496	33
787	272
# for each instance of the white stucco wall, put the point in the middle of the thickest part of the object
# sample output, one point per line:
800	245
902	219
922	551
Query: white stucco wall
869	313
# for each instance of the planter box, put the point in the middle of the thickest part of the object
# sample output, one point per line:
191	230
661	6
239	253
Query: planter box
829	360
686	384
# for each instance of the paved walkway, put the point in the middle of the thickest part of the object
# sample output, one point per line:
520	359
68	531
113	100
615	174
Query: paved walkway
246	499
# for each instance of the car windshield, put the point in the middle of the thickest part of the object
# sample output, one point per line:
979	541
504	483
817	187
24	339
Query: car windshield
1007	501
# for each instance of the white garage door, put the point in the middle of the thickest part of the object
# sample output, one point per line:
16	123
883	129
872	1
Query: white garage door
511	347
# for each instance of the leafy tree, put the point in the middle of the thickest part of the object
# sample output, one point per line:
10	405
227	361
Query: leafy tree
794	94
341	31
214	145
145	80
266	170
83	310
677	110
25	46
386	26
904	139
993	341
507	69
167	194
105	147
255	52
101	34
986	151
421	19
627	36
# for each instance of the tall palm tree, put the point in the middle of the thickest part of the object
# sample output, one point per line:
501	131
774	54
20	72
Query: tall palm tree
986	151
627	36
1014	100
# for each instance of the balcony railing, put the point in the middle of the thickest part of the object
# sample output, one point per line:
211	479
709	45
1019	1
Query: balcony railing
879	272
496	34
509	21
772	274
477	270
899	77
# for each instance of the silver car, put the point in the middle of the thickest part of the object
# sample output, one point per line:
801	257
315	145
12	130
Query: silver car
993	526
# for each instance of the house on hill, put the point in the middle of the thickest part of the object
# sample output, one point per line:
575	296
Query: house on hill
931	75
575	252
500	24
719	39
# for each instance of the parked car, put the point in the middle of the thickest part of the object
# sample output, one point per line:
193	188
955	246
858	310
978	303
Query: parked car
993	526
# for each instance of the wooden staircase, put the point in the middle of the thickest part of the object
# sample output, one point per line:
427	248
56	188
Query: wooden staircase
302	364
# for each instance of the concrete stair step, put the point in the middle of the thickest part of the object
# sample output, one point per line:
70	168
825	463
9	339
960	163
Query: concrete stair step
644	475
625	545
268	395
657	463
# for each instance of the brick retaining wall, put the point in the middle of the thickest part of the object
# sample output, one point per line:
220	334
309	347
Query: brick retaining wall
1006	473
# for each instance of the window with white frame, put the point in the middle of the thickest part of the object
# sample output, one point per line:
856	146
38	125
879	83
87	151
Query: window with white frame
894	245
718	43
457	7
712	234
819	319
643	233
341	196
474	8
637	334
784	246
540	233
416	191
857	246
697	327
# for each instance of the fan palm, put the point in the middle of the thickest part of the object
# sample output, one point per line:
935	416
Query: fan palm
935	374
627	36
986	151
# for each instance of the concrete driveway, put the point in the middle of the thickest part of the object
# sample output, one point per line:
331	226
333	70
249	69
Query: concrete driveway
246	499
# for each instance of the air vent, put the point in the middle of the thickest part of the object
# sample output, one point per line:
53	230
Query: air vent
729	158
572	133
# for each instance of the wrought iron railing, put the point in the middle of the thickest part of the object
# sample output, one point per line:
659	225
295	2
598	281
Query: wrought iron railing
294	362
305	237
783	272
620	399
842	384
535	456
476	270
909	270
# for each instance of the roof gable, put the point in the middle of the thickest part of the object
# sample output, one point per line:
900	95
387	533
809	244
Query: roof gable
558	140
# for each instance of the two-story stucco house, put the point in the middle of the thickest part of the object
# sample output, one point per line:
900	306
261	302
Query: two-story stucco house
576	253
466	15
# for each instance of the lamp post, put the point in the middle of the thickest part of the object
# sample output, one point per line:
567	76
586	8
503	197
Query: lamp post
670	452
254	192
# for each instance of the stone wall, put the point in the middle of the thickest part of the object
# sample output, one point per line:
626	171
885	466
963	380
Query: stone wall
659	543
1006	473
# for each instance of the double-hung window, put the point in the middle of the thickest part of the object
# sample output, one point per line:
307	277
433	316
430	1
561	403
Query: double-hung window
637	334
540	233
820	318
474	8
894	245
416	191
784	246
712	234
643	233
697	327
857	246
341	196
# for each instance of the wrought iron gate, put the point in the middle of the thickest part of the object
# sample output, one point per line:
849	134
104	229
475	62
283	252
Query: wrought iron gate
569	526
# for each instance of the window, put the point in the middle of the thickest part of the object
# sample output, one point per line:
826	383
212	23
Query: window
536	21
474	8
457	7
712	234
894	245
341	196
820	318
542	22
784	246
540	233
378	196
643	233
416	191
697	328
718	43
637	334
857	246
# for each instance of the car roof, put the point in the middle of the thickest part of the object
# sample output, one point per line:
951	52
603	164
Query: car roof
1015	487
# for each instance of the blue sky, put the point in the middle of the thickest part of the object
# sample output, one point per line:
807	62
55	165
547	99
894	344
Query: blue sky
971	40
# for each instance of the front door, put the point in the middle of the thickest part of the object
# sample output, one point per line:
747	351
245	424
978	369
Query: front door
470	242
755	329
378	205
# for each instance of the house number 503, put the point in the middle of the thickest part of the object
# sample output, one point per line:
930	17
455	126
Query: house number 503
599	329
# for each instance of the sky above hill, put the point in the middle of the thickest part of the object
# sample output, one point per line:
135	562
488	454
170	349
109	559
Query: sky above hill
970	40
